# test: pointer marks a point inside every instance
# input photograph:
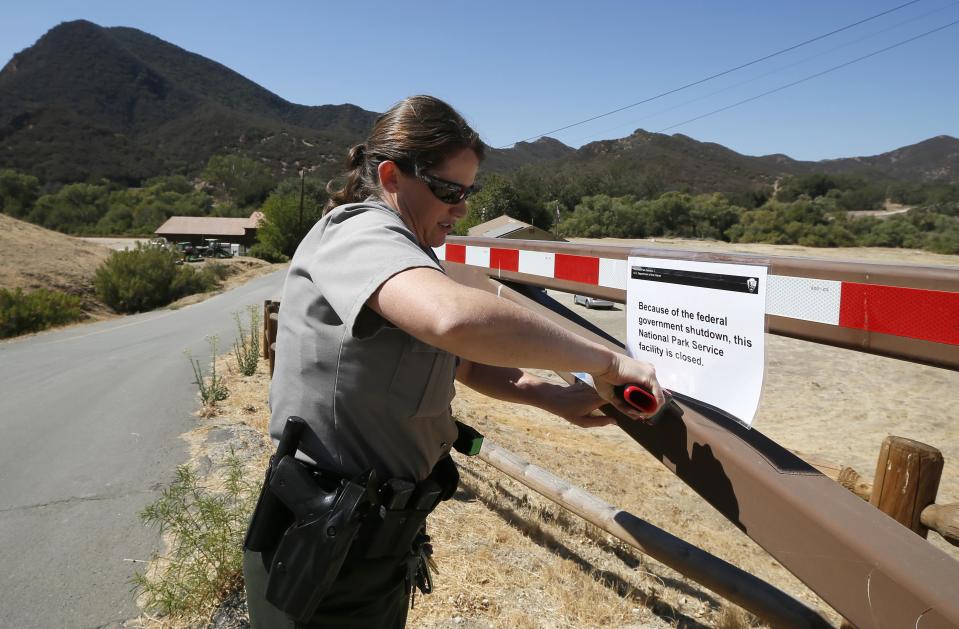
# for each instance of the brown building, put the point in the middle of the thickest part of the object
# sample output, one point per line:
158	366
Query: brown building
196	229
507	227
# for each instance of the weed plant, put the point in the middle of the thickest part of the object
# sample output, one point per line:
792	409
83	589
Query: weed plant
21	312
247	346
212	390
205	530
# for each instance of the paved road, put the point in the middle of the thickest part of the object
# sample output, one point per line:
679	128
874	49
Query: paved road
89	424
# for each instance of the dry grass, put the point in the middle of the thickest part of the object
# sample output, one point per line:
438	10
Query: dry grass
506	556
535	564
876	255
32	257
509	558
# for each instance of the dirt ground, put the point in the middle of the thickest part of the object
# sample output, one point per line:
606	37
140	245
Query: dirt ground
508	558
116	244
32	257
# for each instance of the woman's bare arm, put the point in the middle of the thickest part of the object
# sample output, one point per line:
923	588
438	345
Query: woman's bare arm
573	403
483	328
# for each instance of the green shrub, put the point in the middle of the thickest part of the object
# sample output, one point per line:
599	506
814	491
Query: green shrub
147	277
214	272
266	252
247	346
21	312
205	529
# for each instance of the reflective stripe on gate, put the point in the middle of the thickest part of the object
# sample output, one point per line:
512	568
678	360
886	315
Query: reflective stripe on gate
928	315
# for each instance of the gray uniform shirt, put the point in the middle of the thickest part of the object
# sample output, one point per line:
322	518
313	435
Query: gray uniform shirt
374	396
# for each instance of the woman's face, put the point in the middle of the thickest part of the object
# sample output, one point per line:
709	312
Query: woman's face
429	218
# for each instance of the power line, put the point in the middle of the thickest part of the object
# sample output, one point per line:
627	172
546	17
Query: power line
811	76
779	69
714	76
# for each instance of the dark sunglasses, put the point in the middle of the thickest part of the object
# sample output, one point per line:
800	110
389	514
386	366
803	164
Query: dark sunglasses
446	191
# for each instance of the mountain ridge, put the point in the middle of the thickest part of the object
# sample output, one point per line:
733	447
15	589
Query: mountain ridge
133	106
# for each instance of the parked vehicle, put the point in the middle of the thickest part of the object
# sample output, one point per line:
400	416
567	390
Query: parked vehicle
216	249
592	302
188	252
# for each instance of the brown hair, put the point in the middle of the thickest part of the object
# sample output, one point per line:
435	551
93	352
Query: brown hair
417	133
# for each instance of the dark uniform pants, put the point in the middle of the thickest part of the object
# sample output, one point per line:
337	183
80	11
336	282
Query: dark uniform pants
367	594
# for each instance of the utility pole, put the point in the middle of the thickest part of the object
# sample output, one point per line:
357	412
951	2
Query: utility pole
299	224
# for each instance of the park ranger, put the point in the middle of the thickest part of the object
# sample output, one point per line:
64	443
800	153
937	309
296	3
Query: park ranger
371	335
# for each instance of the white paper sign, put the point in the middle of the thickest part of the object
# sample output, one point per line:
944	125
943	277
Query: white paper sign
701	324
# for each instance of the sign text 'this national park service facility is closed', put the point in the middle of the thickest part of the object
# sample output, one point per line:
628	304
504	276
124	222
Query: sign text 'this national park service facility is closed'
701	324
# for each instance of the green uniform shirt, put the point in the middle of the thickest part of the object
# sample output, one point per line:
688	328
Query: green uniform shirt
374	396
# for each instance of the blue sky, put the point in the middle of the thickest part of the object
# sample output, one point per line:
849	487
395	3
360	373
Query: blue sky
516	69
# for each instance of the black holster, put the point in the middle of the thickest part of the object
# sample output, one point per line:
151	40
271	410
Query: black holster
271	517
303	525
311	552
306	520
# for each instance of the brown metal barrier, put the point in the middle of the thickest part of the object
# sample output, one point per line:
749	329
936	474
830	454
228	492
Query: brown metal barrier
872	570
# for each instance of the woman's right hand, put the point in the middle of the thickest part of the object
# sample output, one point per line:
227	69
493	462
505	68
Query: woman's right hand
625	370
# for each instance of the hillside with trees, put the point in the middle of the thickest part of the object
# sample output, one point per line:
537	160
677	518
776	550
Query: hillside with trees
110	131
136	107
816	210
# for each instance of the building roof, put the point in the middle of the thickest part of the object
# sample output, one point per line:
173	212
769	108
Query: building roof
503	226
209	225
499	226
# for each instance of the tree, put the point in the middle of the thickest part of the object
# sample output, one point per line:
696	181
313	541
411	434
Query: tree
711	215
812	185
284	225
496	197
18	193
238	180
602	216
73	209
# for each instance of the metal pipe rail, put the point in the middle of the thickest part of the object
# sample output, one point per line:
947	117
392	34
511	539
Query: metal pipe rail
742	588
872	570
901	311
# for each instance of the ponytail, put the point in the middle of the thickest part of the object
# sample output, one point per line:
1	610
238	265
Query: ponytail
358	181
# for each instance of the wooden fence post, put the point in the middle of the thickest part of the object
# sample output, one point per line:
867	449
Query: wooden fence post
271	338
906	482
269	307
266	324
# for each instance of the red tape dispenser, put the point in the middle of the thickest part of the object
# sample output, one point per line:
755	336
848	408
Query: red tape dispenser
645	402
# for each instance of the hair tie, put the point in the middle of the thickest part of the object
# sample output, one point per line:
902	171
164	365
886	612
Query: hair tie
357	155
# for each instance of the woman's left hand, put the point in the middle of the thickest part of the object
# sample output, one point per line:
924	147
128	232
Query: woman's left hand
576	404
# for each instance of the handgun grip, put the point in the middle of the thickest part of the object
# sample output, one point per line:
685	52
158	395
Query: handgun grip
290	438
299	492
